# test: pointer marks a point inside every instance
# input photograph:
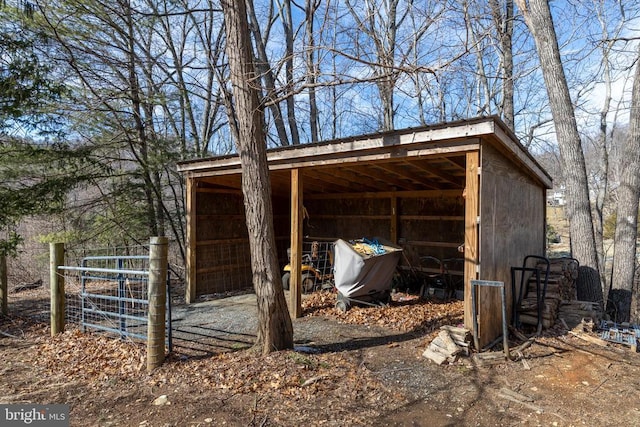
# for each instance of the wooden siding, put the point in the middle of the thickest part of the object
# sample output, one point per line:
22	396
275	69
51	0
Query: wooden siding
425	223
222	260
512	220
471	231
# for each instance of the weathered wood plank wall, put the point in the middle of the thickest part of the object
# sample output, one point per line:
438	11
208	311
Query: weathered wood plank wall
512	218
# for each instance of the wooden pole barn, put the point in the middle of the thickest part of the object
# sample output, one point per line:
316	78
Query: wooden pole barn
427	189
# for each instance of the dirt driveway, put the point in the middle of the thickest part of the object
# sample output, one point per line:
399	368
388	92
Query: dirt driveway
360	368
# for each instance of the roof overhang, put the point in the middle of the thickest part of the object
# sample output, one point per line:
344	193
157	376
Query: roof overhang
381	162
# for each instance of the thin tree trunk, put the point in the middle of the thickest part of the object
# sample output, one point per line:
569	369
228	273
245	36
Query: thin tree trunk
213	100
538	18
503	19
291	105
264	68
603	165
604	142
186	109
483	98
275	330
312	68
385	44
334	89
624	262
141	152
386	53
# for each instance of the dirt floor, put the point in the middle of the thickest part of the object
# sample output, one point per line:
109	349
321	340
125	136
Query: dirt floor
363	367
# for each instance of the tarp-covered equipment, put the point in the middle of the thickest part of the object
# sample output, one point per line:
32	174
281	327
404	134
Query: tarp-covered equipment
363	271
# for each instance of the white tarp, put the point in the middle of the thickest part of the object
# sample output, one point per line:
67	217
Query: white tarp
358	274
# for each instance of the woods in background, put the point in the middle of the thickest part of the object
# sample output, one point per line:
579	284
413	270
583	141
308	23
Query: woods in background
100	99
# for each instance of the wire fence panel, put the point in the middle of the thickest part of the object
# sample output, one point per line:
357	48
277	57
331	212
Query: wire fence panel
110	294
317	265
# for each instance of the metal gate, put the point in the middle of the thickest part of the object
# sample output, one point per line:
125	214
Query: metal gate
112	295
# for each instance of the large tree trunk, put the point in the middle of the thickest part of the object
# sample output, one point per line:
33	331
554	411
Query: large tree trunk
624	262
538	18
588	287
275	331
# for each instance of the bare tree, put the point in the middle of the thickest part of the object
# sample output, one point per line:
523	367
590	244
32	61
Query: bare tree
605	136
141	98
275	331
539	20
191	101
267	71
624	263
482	88
290	90
428	92
380	22
502	12
311	6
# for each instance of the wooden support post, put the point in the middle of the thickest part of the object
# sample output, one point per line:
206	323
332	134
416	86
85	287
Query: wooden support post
295	281
190	202
471	212
543	203
4	308
158	251
56	283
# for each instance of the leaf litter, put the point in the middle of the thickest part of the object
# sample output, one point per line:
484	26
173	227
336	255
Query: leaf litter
280	384
105	382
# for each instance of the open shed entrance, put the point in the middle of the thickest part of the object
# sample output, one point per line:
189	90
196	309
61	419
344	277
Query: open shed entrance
429	190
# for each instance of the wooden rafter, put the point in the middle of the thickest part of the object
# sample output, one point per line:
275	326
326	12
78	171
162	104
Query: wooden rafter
409	181
378	172
440	174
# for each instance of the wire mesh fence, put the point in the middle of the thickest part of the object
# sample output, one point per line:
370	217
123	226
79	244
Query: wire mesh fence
108	293
223	267
316	268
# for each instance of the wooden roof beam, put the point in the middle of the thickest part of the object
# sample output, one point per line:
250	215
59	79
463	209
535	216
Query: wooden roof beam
457	181
402	174
352	176
398	183
458	162
337	184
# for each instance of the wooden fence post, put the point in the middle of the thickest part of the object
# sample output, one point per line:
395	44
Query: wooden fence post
158	253
4	310
56	283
